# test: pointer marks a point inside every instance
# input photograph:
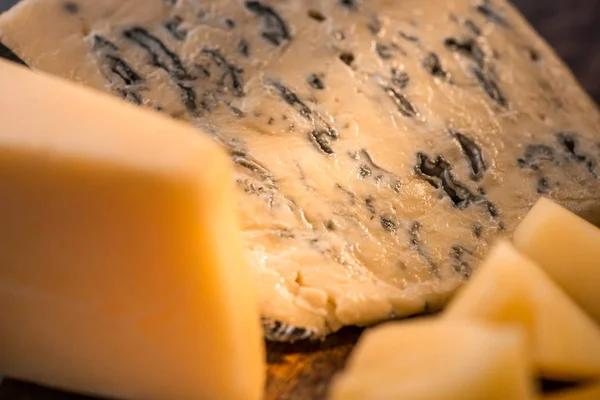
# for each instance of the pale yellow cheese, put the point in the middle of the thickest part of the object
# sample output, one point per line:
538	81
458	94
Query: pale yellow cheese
590	392
510	289
121	268
567	247
437	360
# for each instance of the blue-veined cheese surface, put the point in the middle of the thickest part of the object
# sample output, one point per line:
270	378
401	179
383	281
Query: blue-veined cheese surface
380	146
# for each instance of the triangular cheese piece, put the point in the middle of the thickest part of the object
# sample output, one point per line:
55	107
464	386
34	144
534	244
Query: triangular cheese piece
567	247
591	392
437	360
509	288
122	271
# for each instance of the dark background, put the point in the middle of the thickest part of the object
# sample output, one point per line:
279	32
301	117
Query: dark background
571	26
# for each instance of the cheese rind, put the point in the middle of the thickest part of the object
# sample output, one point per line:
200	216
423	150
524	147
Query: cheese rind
567	247
379	146
436	360
121	270
510	289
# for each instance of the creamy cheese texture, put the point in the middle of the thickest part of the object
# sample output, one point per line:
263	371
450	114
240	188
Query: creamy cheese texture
122	272
380	146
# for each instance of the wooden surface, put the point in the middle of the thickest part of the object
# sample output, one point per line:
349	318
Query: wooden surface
303	371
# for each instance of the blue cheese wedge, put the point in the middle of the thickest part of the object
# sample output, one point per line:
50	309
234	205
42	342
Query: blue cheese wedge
380	146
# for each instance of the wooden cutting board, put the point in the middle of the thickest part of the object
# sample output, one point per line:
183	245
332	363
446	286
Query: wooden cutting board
300	371
303	371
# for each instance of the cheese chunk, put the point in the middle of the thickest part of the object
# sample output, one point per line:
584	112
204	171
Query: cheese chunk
379	145
510	289
567	247
121	265
435	360
589	392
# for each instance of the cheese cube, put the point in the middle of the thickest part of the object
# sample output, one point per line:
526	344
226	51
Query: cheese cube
567	247
121	267
510	289
591	392
436	360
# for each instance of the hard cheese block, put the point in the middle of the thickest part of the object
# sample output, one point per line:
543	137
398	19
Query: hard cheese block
380	146
567	247
509	289
437	360
121	265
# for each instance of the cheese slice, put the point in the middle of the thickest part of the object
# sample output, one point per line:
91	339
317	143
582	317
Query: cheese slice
121	266
510	289
436	360
567	247
380	146
588	392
